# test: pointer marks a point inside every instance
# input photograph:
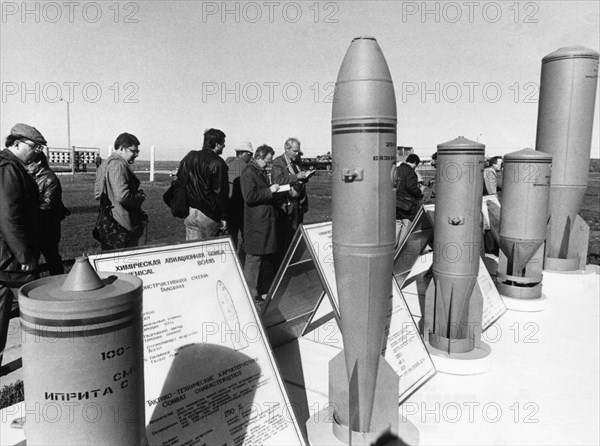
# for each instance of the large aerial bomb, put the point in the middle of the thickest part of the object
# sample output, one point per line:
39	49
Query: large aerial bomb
454	304
364	154
523	222
564	131
83	359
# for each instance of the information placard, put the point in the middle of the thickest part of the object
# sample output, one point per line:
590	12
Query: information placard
295	294
404	349
210	377
318	238
413	246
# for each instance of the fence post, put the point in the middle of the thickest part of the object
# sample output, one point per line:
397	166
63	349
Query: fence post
152	157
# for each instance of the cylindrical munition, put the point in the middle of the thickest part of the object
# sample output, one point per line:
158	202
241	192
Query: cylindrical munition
364	153
457	240
524	215
83	362
564	131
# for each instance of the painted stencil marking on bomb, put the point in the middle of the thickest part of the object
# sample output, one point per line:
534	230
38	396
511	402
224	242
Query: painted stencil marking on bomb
374	127
80	395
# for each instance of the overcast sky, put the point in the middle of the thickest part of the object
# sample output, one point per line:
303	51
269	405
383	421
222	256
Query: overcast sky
263	71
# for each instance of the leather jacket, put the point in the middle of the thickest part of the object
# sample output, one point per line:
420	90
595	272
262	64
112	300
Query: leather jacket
204	174
50	191
19	218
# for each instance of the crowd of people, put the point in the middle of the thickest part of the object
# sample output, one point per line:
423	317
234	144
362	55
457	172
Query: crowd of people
257	198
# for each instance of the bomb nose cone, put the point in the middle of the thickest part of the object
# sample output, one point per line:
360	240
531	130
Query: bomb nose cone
364	61
82	277
461	143
571	52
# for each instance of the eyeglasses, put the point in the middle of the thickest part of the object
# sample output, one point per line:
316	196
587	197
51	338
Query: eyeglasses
134	151
35	147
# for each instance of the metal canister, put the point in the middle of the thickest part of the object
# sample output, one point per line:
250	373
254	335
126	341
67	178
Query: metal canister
457	240
564	130
524	218
83	358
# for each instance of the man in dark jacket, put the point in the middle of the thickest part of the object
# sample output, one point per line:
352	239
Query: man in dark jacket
408	193
204	174
291	206
52	211
19	231
259	215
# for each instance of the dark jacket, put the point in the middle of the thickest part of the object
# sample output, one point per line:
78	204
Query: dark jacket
281	175
19	219
50	190
235	208
259	214
122	189
207	185
407	189
51	205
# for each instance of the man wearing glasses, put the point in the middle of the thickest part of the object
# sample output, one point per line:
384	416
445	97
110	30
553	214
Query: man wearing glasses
291	206
117	183
19	204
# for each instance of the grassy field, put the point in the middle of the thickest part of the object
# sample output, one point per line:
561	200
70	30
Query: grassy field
163	228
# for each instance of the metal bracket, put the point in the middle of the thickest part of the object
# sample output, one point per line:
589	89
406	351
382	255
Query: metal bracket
352	175
456	221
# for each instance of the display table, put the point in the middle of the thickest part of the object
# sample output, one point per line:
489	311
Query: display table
542	388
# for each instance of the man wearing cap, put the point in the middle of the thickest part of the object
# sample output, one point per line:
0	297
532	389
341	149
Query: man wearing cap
19	231
235	212
204	174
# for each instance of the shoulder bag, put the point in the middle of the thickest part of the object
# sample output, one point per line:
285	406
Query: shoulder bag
176	198
108	230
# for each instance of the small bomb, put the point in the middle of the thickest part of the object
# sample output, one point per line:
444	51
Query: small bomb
83	363
452	309
523	223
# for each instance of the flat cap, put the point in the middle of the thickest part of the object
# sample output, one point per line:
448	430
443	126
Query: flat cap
26	131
